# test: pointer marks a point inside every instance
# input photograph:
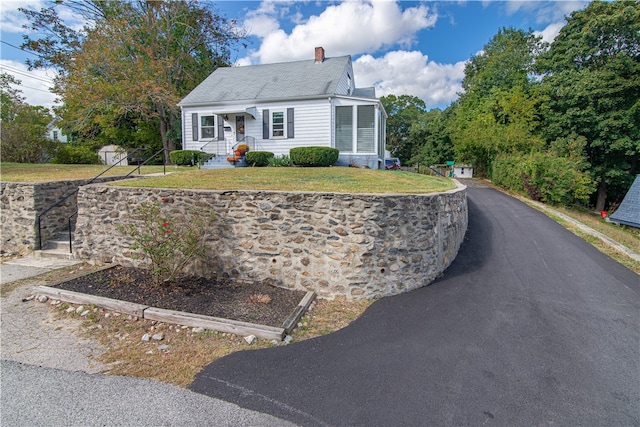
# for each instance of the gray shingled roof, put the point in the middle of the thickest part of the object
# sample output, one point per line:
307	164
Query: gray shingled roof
628	212
269	81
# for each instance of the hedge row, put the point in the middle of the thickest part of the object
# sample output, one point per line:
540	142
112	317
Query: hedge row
314	156
259	158
544	177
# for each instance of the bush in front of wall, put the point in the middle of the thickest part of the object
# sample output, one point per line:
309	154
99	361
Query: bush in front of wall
168	240
189	157
259	158
314	156
70	154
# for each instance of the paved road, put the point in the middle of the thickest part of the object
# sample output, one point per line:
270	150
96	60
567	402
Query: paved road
529	326
36	396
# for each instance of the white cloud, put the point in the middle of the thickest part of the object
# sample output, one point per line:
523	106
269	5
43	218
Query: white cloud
34	85
550	32
345	28
410	73
545	12
261	25
11	19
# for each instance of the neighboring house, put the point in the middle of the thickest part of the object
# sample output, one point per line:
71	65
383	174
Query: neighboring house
54	133
628	213
276	107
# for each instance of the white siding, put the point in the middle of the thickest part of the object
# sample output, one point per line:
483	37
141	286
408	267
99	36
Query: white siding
346	85
187	130
312	126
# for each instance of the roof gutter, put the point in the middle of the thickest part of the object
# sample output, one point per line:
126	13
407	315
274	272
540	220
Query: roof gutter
271	100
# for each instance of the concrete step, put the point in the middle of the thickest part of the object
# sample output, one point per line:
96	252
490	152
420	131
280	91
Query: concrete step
57	244
218	162
54	253
56	247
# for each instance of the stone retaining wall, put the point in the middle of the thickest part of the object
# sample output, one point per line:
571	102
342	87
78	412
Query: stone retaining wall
359	246
22	202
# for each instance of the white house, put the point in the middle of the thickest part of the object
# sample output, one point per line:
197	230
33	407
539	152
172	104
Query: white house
276	107
54	133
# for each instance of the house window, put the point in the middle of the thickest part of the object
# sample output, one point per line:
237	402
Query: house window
366	129
207	126
364	140
344	129
277	124
55	135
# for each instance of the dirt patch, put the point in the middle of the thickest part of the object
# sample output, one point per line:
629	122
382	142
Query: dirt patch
253	302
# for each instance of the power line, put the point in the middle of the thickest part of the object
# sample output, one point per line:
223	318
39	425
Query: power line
19	48
34	88
31	76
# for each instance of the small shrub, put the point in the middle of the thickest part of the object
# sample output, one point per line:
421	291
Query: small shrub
314	156
280	161
168	240
76	155
259	158
260	299
189	157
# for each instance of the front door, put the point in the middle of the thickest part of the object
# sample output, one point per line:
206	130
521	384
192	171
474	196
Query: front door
239	128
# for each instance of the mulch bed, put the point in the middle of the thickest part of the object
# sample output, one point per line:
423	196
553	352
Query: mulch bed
253	302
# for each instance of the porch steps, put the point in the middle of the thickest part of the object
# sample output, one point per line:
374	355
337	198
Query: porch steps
217	162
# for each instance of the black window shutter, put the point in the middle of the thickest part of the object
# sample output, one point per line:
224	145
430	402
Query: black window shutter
290	123
220	128
194	126
265	124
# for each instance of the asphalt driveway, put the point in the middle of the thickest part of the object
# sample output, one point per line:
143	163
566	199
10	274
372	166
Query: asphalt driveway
529	326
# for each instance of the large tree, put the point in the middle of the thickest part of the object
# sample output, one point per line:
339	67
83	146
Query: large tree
403	112
22	126
497	113
431	131
592	86
132	63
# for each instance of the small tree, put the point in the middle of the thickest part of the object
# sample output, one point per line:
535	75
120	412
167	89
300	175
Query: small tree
169	241
23	131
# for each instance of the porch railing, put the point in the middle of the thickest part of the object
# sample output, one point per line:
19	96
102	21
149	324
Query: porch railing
250	141
215	146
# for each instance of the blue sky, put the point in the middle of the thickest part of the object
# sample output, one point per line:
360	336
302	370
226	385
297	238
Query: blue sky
399	47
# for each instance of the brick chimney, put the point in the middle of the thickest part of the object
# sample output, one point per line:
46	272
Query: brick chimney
319	55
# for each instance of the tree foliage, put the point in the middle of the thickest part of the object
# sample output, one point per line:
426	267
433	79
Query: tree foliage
432	138
559	122
403	112
23	126
592	88
122	76
497	112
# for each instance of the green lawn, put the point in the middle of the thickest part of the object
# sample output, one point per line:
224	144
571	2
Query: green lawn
28	172
333	180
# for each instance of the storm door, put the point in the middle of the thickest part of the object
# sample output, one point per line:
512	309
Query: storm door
239	128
